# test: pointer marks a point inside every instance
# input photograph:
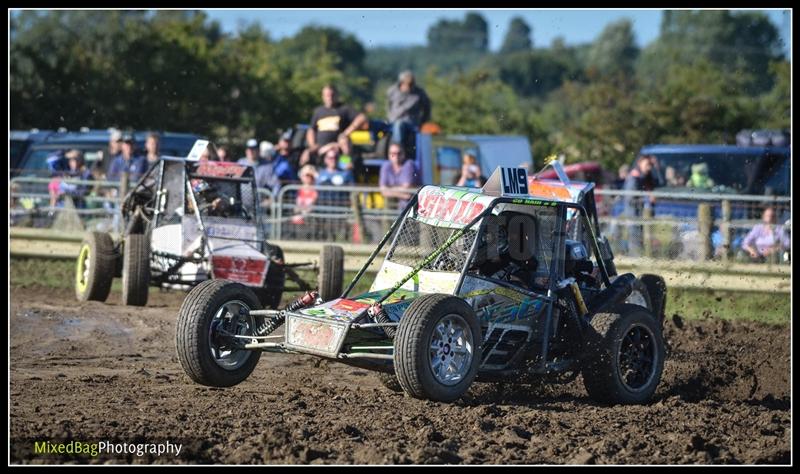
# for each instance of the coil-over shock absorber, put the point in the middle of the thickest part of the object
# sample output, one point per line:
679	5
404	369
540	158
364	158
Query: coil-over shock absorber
377	312
271	324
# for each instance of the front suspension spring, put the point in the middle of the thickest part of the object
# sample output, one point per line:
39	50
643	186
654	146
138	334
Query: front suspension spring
272	324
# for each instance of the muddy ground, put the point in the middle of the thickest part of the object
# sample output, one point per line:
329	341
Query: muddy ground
91	372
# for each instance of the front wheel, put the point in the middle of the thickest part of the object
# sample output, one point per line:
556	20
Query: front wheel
207	350
437	348
95	267
625	356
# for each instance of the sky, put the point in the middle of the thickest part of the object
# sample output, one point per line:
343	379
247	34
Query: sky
409	27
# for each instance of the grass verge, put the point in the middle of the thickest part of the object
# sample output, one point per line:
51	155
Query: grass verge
770	308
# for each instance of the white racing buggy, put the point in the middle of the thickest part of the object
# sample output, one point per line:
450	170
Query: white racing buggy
188	221
510	283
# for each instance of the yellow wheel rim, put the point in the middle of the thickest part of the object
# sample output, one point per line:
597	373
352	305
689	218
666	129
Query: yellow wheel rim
81	273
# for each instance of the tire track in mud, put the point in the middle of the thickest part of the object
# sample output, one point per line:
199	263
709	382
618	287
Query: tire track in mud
89	371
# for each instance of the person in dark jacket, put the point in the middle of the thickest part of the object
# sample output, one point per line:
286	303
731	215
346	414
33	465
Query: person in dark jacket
408	108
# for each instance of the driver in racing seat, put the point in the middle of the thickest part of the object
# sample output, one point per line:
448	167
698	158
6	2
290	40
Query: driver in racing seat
215	203
504	255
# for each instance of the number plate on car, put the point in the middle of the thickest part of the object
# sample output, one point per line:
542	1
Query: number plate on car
307	335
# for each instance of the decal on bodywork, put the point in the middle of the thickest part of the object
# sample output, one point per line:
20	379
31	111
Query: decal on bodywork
445	207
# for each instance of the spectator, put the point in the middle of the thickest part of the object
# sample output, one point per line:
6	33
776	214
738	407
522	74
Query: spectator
76	170
699	178
114	144
251	157
134	165
398	177
766	240
265	149
224	154
332	174
331	126
265	177
57	164
674	178
151	147
470	172
640	178
622	173
408	108
306	195
280	161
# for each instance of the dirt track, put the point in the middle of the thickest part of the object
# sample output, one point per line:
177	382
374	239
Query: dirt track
92	372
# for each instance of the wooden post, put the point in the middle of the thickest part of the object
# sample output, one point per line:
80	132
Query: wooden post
705	221
123	186
725	229
647	231
358	221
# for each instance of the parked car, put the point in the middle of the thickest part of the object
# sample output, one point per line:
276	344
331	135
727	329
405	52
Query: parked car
93	144
20	141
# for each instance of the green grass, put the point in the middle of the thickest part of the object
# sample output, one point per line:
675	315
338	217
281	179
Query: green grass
771	308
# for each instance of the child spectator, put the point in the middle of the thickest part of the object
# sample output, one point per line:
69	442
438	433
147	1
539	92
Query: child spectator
306	195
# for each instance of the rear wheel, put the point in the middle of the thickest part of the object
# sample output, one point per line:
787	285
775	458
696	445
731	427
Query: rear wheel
207	321
437	348
135	269
95	267
331	272
625	356
275	281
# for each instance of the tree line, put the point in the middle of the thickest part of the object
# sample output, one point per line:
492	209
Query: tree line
708	75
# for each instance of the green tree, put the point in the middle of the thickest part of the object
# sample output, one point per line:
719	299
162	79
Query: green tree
472	34
535	73
615	50
518	37
739	43
595	121
475	102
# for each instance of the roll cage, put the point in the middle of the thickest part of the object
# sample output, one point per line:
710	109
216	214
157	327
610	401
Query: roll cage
557	243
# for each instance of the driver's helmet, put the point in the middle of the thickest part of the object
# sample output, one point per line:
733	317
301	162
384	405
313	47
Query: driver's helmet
493	242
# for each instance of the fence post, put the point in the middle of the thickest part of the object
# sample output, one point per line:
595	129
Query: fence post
647	231
705	221
725	229
123	186
358	222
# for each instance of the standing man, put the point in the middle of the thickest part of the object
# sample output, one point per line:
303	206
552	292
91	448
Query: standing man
262	169
408	108
151	147
134	165
641	178
399	177
331	126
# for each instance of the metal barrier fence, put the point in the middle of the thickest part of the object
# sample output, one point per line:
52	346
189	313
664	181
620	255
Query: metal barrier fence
670	226
355	214
687	226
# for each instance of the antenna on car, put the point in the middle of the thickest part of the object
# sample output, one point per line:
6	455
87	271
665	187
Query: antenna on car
555	163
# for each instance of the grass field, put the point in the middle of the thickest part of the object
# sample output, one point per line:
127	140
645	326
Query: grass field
771	308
